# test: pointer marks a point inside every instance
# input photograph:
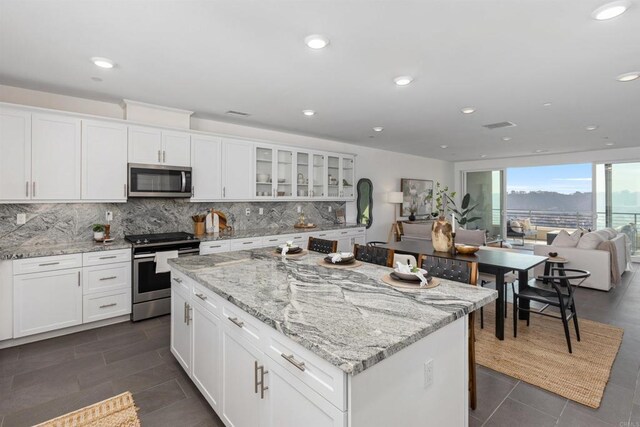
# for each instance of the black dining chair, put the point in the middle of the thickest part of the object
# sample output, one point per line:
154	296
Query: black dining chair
559	294
465	272
374	255
322	245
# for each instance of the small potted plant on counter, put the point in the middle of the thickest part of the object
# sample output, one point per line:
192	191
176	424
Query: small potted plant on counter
98	232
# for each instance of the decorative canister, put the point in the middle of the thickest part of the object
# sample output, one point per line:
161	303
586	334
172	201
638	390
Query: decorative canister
441	235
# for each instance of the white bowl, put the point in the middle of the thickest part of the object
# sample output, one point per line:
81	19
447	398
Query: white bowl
410	276
262	177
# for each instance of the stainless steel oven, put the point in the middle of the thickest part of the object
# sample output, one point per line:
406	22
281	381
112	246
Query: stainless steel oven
159	181
152	291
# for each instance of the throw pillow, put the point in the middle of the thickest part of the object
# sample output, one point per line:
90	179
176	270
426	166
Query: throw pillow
566	240
602	233
516	226
590	240
612	232
526	224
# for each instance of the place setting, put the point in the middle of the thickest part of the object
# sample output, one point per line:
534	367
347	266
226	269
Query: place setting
340	260
290	250
406	276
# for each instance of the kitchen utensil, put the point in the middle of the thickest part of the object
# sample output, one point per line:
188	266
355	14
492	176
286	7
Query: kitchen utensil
467	249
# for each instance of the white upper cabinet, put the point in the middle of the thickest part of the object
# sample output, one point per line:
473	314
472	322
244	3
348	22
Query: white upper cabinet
55	157
206	161
176	148
15	155
318	176
154	146
237	169
104	161
347	177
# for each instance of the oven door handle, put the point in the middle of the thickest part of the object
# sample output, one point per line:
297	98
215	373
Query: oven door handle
186	252
184	182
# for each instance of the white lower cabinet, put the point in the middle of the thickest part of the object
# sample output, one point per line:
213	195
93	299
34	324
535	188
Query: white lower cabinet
237	364
46	301
104	305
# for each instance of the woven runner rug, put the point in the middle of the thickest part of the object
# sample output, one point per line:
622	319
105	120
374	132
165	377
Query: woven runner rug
118	411
539	355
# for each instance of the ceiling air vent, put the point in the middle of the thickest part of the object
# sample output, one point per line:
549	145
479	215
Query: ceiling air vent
237	113
499	125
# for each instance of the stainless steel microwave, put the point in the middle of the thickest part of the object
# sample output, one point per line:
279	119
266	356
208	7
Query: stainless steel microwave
159	181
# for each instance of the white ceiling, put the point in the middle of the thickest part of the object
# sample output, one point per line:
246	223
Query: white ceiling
506	58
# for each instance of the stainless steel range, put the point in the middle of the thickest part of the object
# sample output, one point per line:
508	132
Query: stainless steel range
152	286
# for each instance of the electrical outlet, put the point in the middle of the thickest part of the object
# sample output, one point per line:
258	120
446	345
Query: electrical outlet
428	373
21	219
247	212
299	209
329	208
109	216
260	211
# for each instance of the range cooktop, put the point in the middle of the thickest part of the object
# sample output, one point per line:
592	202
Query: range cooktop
147	239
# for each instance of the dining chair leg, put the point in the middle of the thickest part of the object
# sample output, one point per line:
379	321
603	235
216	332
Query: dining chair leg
565	323
481	318
575	321
515	316
505	300
473	399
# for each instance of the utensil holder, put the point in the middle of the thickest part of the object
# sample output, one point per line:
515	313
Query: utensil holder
198	228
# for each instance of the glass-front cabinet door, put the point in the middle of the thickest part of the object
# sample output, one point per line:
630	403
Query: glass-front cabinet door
347	175
318	176
333	176
284	169
302	174
264	172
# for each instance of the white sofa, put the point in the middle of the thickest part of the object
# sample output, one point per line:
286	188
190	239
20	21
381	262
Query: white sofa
593	260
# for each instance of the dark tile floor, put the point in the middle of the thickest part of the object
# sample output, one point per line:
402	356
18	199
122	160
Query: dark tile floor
49	378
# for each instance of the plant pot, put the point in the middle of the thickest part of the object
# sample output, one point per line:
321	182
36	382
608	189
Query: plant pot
441	235
98	236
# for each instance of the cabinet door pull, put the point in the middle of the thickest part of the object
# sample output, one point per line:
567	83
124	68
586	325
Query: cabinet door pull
289	358
78	279
125	190
239	323
202	296
188	314
109	278
184	315
159	159
177	279
33	189
164	156
113	304
27	189
224	191
259	382
193	190
108	257
44	264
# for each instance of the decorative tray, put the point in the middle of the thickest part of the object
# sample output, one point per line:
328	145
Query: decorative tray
306	226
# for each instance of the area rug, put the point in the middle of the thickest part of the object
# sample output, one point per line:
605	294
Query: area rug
539	355
118	411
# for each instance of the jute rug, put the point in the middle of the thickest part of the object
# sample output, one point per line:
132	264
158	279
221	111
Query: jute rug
118	411
539	354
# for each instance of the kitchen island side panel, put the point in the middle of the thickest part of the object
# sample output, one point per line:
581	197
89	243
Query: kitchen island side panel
393	392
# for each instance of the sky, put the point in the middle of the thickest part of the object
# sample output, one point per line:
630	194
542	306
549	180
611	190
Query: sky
565	179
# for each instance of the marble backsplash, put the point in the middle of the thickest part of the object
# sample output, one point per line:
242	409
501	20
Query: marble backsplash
61	223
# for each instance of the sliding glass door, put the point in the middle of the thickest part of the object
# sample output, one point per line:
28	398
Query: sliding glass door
486	188
618	200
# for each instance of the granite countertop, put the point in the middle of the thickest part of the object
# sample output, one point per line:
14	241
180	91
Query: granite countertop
348	317
261	232
30	250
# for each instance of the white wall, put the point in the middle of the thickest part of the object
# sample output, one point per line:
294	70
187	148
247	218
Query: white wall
383	168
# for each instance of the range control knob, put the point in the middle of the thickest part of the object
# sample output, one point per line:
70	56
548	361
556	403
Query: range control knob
145	241
138	242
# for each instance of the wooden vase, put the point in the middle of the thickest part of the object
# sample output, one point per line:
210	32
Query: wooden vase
441	235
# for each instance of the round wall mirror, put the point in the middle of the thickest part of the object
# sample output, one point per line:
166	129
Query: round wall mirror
365	202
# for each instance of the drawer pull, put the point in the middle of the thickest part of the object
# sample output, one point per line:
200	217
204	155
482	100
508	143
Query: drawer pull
113	304
177	279
216	246
239	323
273	240
108	257
343	232
247	243
202	296
109	278
45	264
289	358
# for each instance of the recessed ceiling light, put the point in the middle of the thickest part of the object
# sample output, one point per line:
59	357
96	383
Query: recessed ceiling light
610	10
378	129
316	41
403	80
308	112
468	110
483	156
546	104
628	77
444	146
506	138
102	62
609	144
591	127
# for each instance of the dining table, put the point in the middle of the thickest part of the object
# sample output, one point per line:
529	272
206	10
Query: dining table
489	260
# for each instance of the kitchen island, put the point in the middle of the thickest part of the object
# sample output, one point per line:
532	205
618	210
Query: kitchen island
275	342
